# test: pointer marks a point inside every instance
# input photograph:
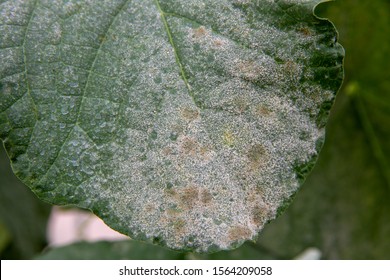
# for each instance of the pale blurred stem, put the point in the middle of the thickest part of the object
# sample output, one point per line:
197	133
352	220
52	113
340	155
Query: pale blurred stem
81	229
372	139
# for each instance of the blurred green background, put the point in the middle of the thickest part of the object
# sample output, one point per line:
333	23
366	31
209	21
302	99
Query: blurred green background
343	209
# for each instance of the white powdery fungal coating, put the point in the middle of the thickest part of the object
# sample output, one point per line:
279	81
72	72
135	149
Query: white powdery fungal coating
178	122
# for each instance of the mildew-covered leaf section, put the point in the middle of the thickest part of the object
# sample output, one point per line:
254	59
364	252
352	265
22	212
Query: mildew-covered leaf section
185	123
260	78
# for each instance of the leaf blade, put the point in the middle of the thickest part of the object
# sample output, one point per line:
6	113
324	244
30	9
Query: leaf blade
175	122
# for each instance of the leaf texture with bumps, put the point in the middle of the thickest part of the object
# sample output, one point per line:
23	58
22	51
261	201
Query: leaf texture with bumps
184	123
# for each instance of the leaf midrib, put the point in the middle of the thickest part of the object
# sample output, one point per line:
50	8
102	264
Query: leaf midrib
177	57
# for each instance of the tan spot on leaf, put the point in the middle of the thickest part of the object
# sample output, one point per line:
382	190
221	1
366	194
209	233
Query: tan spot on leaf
179	225
305	31
189	197
189	114
149	208
290	68
218	43
167	151
205	196
256	154
262	110
204	150
199	32
259	215
228	138
170	192
250	70
173	213
189	146
256	194
239	233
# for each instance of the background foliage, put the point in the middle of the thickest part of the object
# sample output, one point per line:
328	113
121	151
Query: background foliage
342	209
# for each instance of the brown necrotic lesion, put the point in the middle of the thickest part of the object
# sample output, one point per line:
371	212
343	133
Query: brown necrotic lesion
189	146
189	114
199	32
239	233
257	156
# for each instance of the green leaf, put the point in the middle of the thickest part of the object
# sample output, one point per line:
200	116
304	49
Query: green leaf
184	123
5	237
103	250
23	217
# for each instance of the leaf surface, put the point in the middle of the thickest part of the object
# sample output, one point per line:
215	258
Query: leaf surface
185	123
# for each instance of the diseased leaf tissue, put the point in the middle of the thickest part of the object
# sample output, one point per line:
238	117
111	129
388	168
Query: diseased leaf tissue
184	123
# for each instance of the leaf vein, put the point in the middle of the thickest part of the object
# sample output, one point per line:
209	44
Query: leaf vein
177	57
115	15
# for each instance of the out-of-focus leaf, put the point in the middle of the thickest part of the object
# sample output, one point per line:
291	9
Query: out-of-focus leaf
120	250
5	237
22	214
